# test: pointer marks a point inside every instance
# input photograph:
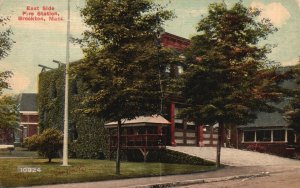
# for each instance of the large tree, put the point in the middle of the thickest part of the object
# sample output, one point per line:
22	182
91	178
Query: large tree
123	62
292	111
8	117
228	77
8	114
5	46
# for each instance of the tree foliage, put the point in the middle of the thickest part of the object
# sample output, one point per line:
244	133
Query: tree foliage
121	67
8	112
123	60
5	40
234	79
292	111
229	77
83	130
4	76
5	46
31	143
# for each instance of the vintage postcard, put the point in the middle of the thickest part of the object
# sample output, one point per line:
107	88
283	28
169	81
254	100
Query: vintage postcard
149	93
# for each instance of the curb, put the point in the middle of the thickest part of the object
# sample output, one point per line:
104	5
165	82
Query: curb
200	181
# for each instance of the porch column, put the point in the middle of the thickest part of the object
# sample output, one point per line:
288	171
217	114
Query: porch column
272	136
172	127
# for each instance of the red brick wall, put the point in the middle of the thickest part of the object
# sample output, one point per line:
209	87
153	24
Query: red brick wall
27	121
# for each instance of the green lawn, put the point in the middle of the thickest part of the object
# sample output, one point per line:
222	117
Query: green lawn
18	152
83	171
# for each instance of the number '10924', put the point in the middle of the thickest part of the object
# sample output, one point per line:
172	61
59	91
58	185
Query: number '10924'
29	169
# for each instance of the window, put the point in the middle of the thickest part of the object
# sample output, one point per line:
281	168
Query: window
190	127
263	135
178	125
177	111
249	136
141	130
279	135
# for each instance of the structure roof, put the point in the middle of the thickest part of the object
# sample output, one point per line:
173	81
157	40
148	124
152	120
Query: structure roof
173	41
142	121
267	120
28	102
274	119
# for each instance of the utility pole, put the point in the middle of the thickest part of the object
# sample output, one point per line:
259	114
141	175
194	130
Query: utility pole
66	111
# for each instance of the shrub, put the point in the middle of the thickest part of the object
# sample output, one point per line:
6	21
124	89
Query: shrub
31	143
168	156
256	147
47	144
92	141
50	142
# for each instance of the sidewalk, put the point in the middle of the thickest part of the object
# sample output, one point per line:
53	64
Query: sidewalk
168	181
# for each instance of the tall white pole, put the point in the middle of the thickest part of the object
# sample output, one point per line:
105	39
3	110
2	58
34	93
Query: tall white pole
66	115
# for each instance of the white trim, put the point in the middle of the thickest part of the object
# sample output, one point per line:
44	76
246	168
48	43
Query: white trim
286	135
243	137
29	112
28	123
272	136
178	121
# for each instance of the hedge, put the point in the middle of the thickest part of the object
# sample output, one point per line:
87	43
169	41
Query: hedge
167	156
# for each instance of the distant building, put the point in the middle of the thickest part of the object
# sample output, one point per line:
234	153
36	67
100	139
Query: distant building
28	115
181	132
269	133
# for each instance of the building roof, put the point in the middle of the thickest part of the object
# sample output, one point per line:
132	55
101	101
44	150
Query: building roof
28	102
265	120
173	41
142	121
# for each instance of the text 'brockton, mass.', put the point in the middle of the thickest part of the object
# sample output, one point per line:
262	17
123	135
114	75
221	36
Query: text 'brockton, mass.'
40	13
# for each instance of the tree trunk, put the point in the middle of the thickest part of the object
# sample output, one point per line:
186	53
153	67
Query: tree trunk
118	148
219	143
49	160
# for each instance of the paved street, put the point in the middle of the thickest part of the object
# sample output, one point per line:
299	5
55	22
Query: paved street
285	179
235	157
283	172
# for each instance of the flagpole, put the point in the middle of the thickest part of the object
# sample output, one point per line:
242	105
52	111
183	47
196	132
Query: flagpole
66	110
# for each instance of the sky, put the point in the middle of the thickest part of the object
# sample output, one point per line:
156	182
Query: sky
41	42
